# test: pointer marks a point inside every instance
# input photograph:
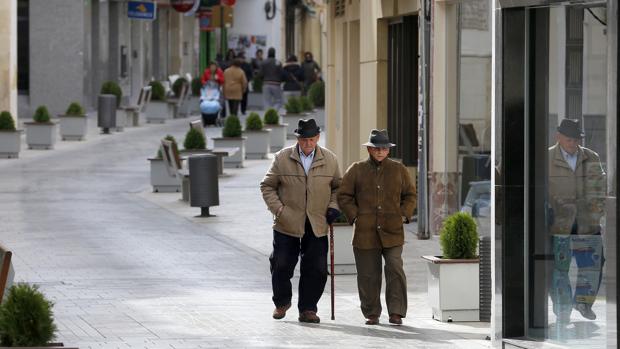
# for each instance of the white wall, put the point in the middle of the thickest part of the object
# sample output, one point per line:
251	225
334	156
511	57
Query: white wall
250	19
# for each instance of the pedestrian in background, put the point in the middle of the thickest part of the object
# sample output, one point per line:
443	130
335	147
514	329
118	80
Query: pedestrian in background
257	61
378	195
229	59
272	72
235	84
249	74
312	71
212	72
293	78
300	191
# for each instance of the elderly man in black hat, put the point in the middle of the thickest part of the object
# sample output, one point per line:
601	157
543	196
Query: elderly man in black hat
378	195
300	191
577	191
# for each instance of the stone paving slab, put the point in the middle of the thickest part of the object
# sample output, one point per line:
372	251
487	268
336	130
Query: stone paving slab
128	268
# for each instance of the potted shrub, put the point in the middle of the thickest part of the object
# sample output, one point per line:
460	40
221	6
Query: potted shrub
344	260
10	137
157	110
278	130
41	132
316	94
453	279
194	103
181	93
73	124
161	180
306	105
195	142
292	116
26	319
231	138
255	96
112	88
257	143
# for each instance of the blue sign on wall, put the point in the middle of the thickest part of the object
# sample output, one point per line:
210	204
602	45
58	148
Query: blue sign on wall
141	10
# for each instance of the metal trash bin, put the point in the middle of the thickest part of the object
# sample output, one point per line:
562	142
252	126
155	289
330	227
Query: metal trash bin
204	185
485	278
106	112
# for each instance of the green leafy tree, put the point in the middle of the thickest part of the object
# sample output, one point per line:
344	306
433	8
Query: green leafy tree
232	127
316	93
6	121
459	237
158	93
41	114
112	88
293	106
194	140
253	122
26	318
272	117
75	109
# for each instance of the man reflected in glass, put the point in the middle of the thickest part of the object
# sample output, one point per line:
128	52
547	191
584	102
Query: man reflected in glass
576	211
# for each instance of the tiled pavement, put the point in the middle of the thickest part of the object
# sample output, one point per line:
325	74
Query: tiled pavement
128	268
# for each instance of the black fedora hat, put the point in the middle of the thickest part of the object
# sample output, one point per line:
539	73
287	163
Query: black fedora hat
379	139
307	128
571	128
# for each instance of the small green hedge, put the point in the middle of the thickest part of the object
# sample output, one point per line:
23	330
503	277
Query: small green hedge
6	121
271	117
257	85
196	86
194	140
26	318
41	114
158	93
75	109
306	104
232	127
293	105
178	85
253	122
459	237
112	88
316	93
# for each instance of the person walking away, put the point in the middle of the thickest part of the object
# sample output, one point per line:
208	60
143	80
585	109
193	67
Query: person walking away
235	84
271	71
312	71
378	195
249	74
300	191
294	77
577	189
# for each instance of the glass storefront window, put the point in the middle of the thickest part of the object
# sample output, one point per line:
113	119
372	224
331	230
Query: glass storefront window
568	149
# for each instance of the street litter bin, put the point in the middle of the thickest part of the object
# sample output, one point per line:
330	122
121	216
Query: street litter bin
106	112
203	182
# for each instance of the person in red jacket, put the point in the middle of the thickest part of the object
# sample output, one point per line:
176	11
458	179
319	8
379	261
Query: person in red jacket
208	74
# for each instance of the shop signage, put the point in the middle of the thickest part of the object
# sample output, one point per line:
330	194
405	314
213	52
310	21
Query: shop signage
205	22
141	10
183	5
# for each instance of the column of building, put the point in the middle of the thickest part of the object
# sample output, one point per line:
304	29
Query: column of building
8	56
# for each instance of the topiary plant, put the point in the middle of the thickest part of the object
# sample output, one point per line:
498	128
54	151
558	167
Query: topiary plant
459	237
194	140
26	318
41	114
168	138
112	88
178	85
293	106
75	109
257	84
6	121
305	103
272	117
196	86
316	93
232	127
253	122
158	93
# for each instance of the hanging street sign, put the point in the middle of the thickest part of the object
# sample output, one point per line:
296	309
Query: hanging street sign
183	5
141	10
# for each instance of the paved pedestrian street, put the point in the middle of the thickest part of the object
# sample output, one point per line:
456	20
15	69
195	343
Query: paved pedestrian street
129	268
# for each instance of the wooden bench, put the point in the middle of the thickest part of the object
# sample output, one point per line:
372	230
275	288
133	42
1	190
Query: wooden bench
220	152
133	112
177	105
6	271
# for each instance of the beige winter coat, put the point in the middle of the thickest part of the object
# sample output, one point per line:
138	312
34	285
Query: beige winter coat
235	83
286	184
576	195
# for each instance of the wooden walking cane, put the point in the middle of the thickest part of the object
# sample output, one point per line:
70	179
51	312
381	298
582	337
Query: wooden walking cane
331	258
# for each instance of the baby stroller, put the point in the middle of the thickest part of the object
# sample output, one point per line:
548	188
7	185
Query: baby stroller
211	104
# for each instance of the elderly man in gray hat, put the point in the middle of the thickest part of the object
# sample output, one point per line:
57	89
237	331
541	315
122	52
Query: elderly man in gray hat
576	195
300	190
378	196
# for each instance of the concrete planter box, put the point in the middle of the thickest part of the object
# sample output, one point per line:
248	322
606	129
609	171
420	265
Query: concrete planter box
291	120
194	105
10	144
161	180
453	288
257	143
73	128
235	161
344	260
255	101
157	112
278	137
41	135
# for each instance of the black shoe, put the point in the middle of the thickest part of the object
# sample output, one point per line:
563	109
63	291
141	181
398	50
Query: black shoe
585	310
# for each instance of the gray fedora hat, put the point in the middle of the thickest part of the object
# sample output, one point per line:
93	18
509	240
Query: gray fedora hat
571	128
379	139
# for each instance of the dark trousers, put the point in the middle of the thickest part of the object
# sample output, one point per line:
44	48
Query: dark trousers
233	106
244	102
313	268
